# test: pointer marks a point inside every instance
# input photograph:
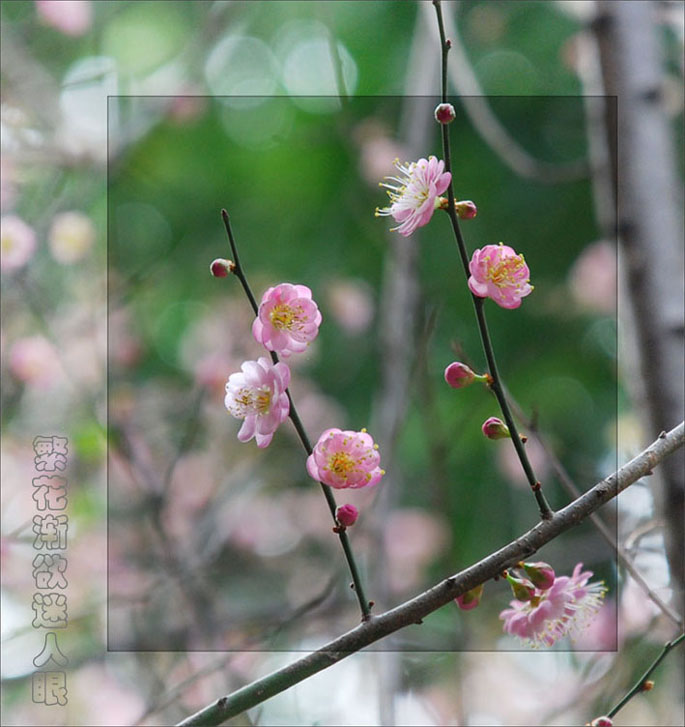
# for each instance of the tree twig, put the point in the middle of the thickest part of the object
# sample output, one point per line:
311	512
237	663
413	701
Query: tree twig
640	684
364	603
497	385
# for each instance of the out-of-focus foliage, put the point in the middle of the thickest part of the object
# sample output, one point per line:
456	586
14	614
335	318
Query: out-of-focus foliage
212	545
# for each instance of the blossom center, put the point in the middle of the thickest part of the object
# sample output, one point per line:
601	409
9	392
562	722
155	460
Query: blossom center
283	316
505	273
341	463
262	400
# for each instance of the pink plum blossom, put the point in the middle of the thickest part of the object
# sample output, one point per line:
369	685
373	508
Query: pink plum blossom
564	609
258	395
415	195
344	459
601	722
288	319
470	599
497	272
71	17
17	242
346	515
71	236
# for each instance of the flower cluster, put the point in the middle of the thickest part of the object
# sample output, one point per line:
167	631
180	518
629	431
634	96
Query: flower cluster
287	320
415	195
561	609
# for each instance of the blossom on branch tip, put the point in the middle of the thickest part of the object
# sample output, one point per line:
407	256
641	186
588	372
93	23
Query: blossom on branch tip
601	722
258	395
415	194
494	428
497	272
470	599
288	319
564	609
346	515
344	459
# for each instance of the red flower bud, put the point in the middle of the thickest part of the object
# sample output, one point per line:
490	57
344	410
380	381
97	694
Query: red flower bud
494	428
220	268
466	209
444	113
346	515
470	599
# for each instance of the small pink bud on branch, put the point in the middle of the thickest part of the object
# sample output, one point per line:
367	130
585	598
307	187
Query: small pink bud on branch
458	375
444	113
220	267
600	722
540	574
494	428
466	209
470	599
523	590
346	515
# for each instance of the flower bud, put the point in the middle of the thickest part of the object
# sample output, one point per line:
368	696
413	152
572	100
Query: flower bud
541	574
470	599
466	209
647	685
494	428
346	515
601	722
444	113
523	590
220	268
459	375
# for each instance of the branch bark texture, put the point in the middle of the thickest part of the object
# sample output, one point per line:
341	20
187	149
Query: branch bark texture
649	194
414	610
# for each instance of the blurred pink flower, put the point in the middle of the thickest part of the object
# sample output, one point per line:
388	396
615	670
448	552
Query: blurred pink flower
593	278
257	395
7	187
412	539
33	360
345	459
17	242
351	304
415	195
288	319
71	17
510	466
71	236
497	272
564	609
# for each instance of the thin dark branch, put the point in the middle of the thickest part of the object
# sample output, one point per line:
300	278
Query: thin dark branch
364	603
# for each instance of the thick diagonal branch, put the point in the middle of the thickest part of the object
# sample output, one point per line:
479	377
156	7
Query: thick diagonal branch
412	611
